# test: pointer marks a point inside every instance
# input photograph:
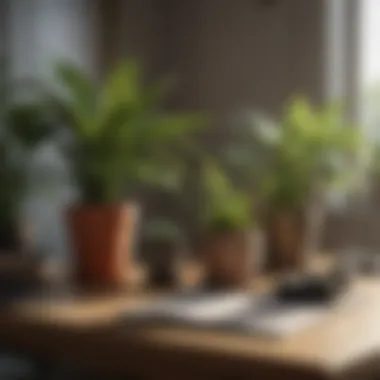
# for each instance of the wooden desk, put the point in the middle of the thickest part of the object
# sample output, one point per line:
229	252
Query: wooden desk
87	330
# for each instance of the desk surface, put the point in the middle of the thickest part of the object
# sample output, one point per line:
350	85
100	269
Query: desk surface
88	330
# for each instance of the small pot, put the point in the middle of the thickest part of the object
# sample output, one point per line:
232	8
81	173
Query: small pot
290	237
103	238
162	258
231	258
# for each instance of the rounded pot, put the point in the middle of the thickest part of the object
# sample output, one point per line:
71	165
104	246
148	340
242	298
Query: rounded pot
231	259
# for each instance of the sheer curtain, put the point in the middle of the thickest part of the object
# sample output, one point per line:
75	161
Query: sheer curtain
357	55
40	33
370	67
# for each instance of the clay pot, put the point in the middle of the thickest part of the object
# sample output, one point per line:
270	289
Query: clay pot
231	259
285	235
103	238
290	237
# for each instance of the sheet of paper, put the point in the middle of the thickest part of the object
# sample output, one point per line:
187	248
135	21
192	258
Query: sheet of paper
285	321
232	311
200	308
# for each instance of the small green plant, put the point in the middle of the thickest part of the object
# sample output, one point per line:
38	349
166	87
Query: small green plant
163	230
225	208
309	151
120	135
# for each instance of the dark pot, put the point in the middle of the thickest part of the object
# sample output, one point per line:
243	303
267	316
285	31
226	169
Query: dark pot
162	259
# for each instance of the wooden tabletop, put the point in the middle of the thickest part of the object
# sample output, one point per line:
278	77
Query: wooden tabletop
88	330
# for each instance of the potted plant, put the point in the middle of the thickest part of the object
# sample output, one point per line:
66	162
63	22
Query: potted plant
163	247
120	138
230	251
25	127
296	162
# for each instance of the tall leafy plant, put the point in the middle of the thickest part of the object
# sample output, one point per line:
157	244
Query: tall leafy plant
311	149
120	136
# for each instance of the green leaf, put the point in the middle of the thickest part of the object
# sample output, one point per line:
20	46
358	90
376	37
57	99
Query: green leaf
225	207
123	87
310	147
79	101
121	135
29	124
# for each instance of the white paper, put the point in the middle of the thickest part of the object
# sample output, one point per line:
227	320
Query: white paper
232	312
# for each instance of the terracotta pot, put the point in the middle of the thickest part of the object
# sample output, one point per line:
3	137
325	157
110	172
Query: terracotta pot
230	259
103	238
290	237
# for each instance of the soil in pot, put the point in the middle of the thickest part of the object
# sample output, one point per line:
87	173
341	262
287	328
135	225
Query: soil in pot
102	238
